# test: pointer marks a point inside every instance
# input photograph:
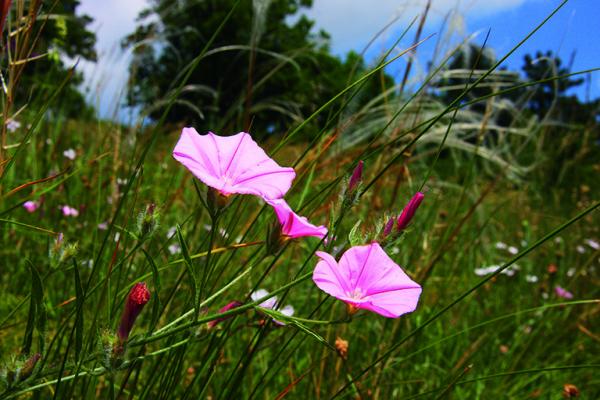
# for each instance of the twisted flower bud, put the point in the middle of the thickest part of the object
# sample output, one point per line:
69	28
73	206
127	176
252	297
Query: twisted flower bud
356	177
138	296
409	211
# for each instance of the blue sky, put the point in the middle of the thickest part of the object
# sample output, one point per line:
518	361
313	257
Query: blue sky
352	23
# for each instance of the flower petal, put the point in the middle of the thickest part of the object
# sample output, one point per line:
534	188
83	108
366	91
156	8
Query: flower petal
329	277
293	225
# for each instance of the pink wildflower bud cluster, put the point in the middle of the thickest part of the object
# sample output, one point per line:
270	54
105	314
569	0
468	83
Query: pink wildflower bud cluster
364	278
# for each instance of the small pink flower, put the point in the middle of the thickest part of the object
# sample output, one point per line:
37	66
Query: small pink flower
31	206
366	278
103	226
565	294
293	225
409	211
137	298
69	211
232	164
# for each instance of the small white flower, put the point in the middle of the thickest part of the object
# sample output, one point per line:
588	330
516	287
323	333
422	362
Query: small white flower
288	311
512	250
117	236
395	250
259	294
558	239
48	141
207	227
483	271
571	272
593	244
531	278
171	232
70	154
501	246
12	125
523	243
580	249
174	248
544	295
88	263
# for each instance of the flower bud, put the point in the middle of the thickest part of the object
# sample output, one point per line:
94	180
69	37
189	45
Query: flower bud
409	211
138	296
147	222
387	229
356	177
230	306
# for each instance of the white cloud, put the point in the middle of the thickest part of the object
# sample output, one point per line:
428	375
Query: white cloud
107	79
353	23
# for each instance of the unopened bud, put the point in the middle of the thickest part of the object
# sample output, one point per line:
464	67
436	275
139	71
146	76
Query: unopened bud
387	229
147	221
409	211
356	177
138	296
230	306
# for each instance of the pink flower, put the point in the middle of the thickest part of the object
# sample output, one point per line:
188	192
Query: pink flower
138	296
565	294
31	206
366	278
409	211
69	211
232	164
293	225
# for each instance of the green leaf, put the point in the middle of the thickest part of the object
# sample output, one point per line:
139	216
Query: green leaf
35	304
156	304
80	298
190	269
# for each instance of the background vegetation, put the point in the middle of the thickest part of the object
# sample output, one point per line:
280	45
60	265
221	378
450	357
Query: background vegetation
508	160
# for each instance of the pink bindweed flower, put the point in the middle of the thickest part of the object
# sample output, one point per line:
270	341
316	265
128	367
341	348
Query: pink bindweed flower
230	306
137	298
564	293
232	164
367	278
293	225
409	211
69	211
31	206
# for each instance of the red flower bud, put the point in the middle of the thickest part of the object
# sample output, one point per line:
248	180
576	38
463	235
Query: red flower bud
230	306
138	296
356	177
388	227
409	211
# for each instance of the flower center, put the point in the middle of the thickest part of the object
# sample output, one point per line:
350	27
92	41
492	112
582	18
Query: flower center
356	294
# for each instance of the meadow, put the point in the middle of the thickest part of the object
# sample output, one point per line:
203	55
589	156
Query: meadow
504	244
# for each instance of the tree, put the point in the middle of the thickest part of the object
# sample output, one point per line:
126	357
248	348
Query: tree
57	32
547	95
262	70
